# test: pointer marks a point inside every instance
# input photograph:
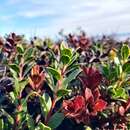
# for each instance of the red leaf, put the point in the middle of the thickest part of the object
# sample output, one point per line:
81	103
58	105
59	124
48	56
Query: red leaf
100	105
92	77
79	102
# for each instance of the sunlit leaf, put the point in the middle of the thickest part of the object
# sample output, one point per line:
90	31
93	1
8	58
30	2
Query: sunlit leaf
65	59
14	67
41	126
125	52
54	72
28	53
20	48
63	92
46	103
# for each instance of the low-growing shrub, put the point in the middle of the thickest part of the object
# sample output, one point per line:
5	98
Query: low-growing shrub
76	83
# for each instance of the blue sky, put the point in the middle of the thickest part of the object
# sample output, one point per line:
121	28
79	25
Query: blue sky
47	17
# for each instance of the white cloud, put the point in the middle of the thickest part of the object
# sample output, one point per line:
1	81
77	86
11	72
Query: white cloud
93	16
35	13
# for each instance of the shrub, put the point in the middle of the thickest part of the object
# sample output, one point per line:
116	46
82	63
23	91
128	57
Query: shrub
78	80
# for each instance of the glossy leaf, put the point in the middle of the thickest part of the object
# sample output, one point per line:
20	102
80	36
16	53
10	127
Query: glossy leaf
20	85
71	77
125	52
54	72
63	92
66	52
14	67
105	70
41	126
56	120
27	69
28	53
120	93
46	103
65	59
20	48
126	67
73	59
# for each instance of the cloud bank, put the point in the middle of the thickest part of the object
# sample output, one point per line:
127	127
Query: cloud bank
39	17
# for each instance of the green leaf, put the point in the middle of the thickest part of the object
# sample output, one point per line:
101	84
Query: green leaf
1	124
12	95
46	103
71	77
14	73
66	52
63	46
125	52
29	59
24	105
20	48
56	120
71	68
20	85
73	59
18	59
28	53
14	67
65	59
27	69
50	81
41	126
9	117
113	73
62	92
30	122
126	67
105	70
54	72
119	93
6	126
118	69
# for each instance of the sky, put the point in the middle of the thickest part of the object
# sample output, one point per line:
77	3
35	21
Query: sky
48	17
